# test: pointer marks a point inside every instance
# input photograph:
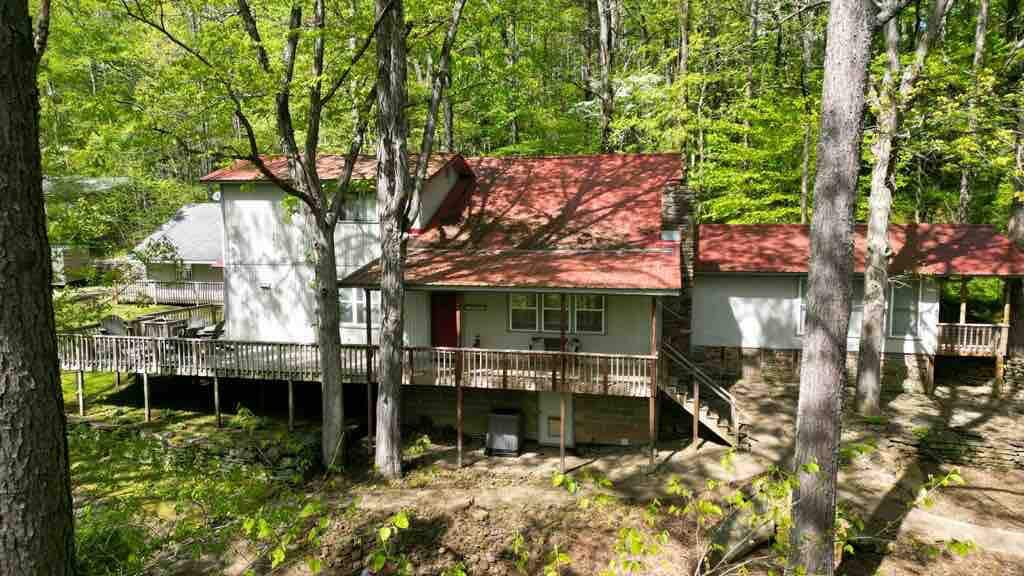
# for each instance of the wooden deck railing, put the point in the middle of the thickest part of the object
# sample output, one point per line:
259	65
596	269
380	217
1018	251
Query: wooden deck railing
972	339
604	374
171	292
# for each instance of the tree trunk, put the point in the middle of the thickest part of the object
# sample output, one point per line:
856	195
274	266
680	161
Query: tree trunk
980	32
876	270
36	534
806	63
1015	230
329	345
891	101
682	71
392	197
823	371
606	55
449	116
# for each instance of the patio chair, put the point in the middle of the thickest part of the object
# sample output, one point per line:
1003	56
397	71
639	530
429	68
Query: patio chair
212	332
114	326
194	327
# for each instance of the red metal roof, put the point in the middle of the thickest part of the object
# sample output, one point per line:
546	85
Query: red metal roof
585	222
928	249
653	269
328	166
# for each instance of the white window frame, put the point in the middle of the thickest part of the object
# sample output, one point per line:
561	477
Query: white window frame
569	328
535	308
358	299
917	286
355	201
576	309
801	305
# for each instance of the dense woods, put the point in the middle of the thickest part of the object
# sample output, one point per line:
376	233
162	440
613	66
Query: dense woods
736	83
785	111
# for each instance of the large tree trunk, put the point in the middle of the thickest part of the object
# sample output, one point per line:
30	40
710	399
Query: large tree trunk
823	371
329	340
1015	230
36	535
392	188
891	101
607	56
876	270
980	33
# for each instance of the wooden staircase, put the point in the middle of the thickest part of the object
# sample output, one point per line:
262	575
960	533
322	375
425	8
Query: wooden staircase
714	406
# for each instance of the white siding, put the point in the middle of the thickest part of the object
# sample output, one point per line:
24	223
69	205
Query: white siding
268	271
417	323
763	311
627	326
434	193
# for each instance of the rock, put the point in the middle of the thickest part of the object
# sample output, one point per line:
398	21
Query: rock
479	514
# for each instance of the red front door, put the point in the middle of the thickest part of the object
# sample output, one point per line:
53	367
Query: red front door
443	329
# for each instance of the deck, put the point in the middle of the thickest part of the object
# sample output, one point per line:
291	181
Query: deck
605	374
984	340
180	293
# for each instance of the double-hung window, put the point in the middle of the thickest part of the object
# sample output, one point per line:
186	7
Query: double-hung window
353	305
551	314
359	203
523	312
903	317
589	313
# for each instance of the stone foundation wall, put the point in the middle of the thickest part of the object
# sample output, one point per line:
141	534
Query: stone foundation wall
902	371
598	419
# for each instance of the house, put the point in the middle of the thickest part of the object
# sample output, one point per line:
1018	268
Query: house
575	291
510	259
182	262
187	248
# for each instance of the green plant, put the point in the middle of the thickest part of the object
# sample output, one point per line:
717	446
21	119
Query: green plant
385	553
556	561
520	553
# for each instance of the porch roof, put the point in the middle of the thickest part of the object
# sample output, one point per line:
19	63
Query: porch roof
328	167
651	270
925	249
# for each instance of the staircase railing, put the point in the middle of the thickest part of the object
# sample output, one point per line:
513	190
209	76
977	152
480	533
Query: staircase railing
704	381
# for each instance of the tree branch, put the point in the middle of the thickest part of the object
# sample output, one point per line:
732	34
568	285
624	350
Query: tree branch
353	155
42	33
249	22
437	90
340	80
315	102
889	11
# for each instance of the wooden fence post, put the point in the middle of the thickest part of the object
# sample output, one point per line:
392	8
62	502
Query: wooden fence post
291	406
216	400
145	395
80	386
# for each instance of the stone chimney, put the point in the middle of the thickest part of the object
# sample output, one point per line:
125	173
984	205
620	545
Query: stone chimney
678	224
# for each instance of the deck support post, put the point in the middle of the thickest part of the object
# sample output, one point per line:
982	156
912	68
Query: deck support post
117	379
216	400
458	380
80	388
458	418
563	388
561	432
696	411
652	415
369	367
963	300
145	396
291	406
